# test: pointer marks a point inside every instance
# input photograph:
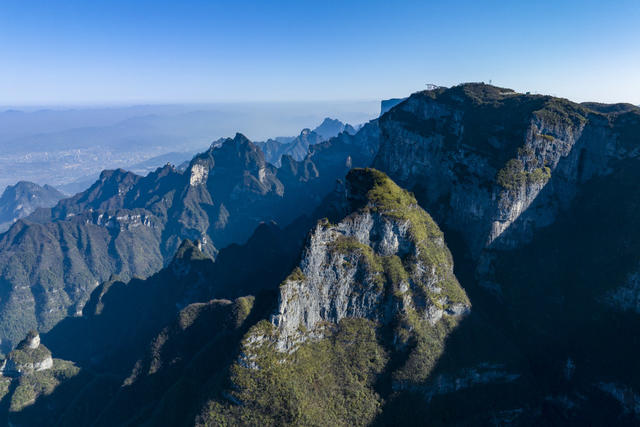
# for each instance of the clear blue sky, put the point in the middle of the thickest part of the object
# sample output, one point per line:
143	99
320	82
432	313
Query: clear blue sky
78	52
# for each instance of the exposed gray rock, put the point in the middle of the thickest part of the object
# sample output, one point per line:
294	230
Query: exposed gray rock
437	144
345	268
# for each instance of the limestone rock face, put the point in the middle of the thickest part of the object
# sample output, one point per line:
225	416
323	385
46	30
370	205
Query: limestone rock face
493	164
384	260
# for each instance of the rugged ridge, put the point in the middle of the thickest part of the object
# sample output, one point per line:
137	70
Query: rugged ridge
298	147
131	226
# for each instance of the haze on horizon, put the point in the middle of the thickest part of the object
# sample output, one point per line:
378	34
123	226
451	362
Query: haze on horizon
120	52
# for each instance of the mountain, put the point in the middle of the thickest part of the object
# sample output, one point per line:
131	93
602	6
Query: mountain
374	292
121	320
496	165
131	226
19	200
63	146
142	168
366	312
526	188
298	147
330	128
485	273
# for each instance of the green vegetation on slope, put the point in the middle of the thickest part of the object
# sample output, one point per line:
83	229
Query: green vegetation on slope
326	382
41	383
513	175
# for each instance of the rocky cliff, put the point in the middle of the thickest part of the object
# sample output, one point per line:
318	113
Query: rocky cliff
535	193
496	165
28	357
390	236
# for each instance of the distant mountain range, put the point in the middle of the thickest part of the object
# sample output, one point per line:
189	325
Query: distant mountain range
484	273
63	146
298	147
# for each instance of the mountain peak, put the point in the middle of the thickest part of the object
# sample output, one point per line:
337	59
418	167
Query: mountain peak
370	186
329	121
21	199
241	139
329	128
188	252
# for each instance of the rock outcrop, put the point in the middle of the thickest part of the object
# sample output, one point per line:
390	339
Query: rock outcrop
28	357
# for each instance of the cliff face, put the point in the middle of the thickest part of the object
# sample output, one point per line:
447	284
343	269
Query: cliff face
540	192
381	277
496	165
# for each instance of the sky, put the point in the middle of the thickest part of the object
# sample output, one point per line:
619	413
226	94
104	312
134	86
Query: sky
130	52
